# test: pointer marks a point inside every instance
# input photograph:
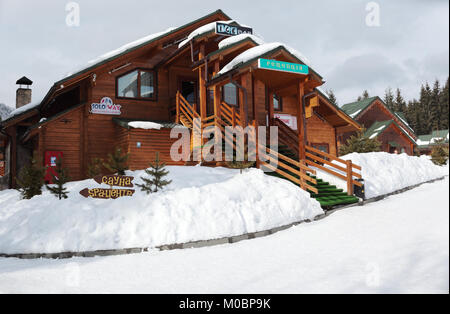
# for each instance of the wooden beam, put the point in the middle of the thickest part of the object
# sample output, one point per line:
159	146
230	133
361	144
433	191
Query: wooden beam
202	84
300	121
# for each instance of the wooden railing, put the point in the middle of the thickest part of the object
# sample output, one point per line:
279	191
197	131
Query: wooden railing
343	169
230	114
286	136
187	111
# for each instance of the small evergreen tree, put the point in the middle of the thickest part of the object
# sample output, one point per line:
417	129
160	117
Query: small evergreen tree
389	99
156	172
332	97
95	167
117	162
31	178
439	154
59	179
360	144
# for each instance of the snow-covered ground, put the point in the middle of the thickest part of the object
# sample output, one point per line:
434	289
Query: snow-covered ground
386	173
398	245
201	204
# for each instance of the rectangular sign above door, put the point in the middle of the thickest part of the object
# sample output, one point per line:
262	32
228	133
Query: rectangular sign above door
283	66
229	30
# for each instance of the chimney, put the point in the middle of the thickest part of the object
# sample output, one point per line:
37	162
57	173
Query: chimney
23	94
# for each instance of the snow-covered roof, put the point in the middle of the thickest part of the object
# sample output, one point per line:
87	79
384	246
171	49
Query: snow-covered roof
121	50
258	51
211	27
145	125
235	39
22	109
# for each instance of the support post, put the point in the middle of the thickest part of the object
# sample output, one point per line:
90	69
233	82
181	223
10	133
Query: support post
300	122
178	107
202	83
350	177
271	108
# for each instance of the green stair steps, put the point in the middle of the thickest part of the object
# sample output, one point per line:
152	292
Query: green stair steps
329	195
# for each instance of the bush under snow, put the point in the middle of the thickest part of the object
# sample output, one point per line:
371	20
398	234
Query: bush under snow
200	204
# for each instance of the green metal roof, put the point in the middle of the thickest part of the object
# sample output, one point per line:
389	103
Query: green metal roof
427	140
354	109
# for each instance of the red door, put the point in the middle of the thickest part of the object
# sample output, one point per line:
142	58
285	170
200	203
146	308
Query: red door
50	163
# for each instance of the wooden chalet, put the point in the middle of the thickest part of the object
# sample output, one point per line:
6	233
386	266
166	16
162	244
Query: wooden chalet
390	128
200	71
426	143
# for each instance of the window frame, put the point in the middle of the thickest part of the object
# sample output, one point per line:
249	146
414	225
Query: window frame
237	96
155	85
280	101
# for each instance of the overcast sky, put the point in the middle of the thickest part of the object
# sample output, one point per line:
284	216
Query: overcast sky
409	47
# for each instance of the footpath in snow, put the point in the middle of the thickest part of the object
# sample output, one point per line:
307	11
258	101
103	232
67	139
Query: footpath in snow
397	245
201	204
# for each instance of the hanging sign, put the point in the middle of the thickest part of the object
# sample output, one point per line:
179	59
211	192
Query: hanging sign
111	180
106	193
290	121
282	66
106	106
229	30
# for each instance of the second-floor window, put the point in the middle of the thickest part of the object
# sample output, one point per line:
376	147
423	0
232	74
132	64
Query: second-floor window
139	84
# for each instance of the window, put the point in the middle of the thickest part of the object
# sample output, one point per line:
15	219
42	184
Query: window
277	103
230	94
137	84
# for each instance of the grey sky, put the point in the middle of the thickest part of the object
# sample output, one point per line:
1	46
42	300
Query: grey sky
411	45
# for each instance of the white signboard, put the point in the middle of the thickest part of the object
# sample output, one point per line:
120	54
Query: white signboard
106	106
290	121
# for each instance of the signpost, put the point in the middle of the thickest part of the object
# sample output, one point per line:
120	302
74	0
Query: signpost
111	180
283	66
229	30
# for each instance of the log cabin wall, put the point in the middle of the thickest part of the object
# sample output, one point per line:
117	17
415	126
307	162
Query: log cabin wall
321	132
151	141
376	112
64	135
393	134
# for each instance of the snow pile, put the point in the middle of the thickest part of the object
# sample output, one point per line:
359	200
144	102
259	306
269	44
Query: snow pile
235	39
145	125
23	109
211	27
258	51
386	173
200	204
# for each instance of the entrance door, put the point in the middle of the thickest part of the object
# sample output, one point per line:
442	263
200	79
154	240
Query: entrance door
188	89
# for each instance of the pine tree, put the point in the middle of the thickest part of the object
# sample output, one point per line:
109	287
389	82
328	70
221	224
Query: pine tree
435	110
365	95
117	162
424	109
444	106
389	98
399	103
31	178
332	97
60	178
95	167
360	144
439	154
156	172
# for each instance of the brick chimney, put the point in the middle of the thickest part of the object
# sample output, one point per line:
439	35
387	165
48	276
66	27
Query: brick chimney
23	94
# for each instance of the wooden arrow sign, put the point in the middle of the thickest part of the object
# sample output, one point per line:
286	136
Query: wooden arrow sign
106	193
113	180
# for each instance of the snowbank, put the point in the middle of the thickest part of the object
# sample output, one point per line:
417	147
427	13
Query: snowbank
200	204
386	173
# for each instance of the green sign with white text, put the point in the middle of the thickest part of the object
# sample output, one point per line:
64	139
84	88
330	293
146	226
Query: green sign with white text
282	66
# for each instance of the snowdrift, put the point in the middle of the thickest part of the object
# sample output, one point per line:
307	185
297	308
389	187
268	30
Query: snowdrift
200	204
386	173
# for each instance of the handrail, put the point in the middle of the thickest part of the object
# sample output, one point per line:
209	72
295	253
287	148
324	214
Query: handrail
317	156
